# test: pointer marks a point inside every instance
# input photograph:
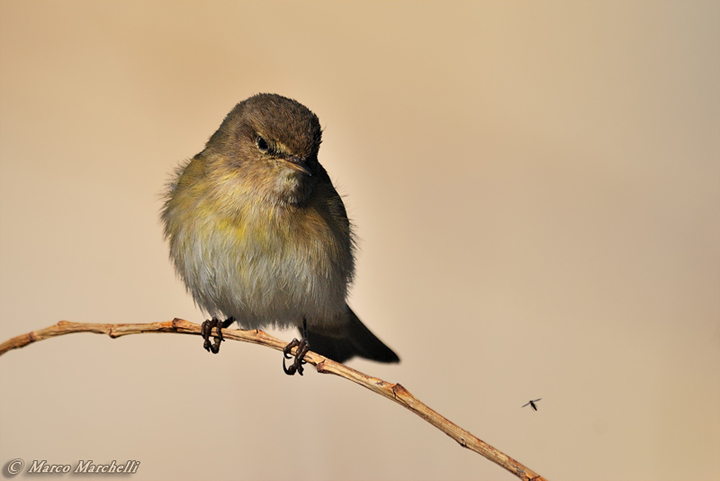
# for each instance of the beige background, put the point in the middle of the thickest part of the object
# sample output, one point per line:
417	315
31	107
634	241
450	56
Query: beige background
535	188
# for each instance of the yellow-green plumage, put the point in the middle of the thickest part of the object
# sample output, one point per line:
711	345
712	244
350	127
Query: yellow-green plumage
258	232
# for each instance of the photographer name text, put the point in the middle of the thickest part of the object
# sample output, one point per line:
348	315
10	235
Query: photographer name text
82	466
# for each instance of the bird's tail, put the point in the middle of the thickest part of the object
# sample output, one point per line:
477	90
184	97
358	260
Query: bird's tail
354	339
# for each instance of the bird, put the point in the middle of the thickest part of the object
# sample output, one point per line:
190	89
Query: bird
532	403
260	236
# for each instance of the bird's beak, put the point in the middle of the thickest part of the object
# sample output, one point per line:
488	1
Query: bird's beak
298	164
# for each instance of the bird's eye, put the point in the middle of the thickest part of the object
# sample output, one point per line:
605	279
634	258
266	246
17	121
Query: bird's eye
262	144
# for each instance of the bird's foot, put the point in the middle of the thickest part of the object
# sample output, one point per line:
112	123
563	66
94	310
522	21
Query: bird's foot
303	346
206	332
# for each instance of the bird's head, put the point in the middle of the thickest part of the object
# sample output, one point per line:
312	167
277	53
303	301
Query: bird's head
268	144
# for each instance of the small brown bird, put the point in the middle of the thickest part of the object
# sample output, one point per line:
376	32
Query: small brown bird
260	236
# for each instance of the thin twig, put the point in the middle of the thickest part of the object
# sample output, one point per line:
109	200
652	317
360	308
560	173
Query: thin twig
394	392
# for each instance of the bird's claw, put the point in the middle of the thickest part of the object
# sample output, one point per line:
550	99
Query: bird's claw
297	366
206	332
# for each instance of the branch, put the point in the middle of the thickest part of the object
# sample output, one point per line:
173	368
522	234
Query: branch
394	392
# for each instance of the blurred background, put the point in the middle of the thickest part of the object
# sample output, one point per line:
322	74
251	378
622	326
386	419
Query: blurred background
535	189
